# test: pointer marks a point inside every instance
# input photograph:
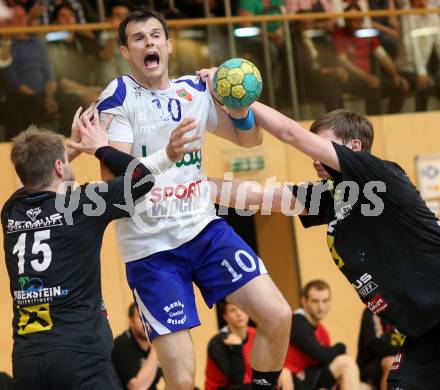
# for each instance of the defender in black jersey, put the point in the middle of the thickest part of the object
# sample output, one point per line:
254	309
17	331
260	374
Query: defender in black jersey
62	338
381	234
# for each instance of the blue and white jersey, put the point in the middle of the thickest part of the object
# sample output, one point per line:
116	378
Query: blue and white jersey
179	206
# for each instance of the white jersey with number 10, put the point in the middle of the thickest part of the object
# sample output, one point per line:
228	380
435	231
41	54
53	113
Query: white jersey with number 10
179	206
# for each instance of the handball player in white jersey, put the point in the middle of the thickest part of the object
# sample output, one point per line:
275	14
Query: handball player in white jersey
178	239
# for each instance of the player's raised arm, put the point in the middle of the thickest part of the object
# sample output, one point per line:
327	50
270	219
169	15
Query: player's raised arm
235	125
291	132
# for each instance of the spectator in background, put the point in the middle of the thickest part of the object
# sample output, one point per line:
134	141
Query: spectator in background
378	342
73	55
228	364
113	63
294	6
42	11
420	40
355	53
28	79
388	26
5	61
311	358
265	7
340	5
252	47
297	6
134	359
319	75
5	13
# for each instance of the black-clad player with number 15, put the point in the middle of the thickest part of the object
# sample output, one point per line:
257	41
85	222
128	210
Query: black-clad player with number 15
62	339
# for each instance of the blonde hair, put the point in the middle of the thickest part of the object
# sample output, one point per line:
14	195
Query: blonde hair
34	152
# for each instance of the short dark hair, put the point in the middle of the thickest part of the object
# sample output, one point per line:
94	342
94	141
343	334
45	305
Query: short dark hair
347	125
140	15
34	152
221	307
131	310
61	6
317	284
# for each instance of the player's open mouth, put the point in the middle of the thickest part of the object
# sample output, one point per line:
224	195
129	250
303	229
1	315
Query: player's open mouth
151	60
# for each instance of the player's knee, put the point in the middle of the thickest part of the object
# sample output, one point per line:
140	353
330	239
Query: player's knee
343	363
278	319
386	363
180	381
285	316
186	383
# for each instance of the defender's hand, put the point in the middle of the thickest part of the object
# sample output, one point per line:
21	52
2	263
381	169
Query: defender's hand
93	134
75	134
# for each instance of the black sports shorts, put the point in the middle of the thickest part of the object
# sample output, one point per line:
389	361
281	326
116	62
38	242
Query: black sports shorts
315	377
417	366
372	372
65	370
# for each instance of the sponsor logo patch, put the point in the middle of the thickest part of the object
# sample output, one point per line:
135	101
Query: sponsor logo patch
176	313
397	360
183	93
34	223
377	304
34	319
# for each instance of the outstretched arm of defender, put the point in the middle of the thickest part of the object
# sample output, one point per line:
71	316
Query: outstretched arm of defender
291	132
176	148
250	195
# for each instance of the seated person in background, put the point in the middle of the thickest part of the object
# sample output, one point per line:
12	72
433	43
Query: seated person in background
388	26
265	7
319	75
134	359
415	53
294	6
28	79
73	60
355	53
313	361
252	47
378	343
298	6
42	11
228	365
112	62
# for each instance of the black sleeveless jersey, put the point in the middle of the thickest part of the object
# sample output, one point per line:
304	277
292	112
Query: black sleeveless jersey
383	238
53	262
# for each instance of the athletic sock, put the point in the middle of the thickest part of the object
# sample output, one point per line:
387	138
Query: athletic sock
264	380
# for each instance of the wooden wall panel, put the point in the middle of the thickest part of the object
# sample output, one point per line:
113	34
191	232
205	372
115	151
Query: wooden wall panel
8	185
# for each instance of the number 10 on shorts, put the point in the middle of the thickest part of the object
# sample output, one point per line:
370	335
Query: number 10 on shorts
241	258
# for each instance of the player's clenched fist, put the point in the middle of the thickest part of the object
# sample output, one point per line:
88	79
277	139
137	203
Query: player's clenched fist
180	142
